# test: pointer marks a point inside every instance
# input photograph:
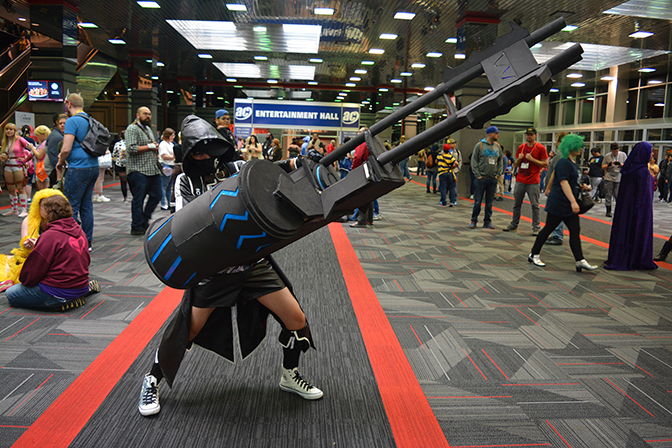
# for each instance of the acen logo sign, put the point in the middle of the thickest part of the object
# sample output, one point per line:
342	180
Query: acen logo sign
243	113
350	117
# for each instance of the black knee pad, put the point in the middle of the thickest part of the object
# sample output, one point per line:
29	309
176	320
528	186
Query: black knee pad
301	339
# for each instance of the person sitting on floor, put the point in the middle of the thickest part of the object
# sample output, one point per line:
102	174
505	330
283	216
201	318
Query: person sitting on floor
55	275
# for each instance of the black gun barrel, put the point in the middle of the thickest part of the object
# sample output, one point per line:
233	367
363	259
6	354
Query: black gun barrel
471	69
453	123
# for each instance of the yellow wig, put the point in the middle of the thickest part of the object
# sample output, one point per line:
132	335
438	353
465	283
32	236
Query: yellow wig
10	265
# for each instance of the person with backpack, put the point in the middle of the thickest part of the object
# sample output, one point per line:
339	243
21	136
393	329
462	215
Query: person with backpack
82	172
431	166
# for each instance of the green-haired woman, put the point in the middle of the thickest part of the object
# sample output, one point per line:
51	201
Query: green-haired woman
562	205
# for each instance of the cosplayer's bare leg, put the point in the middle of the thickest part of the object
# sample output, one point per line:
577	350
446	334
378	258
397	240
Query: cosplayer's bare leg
283	304
17	192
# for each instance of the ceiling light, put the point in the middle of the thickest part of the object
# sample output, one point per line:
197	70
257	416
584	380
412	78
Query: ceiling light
312	83
404	15
209	92
205	55
87	25
323	11
590	99
388	36
259	29
451	40
263	71
238	87
575	75
360	71
117	41
160	64
366	102
355	78
406	74
261	58
309	99
149	60
337	100
418	65
569	97
655	81
395	81
315	60
660	104
376	51
22	19
647	70
231	80
155	77
434	54
578	84
146	4
170	91
343	94
429	88
350	84
383	89
569	28
608	78
368	62
640	34
236	7
272	81
554	90
460	56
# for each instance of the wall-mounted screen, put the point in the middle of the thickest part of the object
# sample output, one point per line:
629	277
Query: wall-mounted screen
45	91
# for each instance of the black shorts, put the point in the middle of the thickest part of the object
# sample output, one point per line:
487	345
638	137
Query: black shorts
227	290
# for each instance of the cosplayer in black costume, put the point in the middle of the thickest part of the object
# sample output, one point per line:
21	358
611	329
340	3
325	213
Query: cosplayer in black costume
257	289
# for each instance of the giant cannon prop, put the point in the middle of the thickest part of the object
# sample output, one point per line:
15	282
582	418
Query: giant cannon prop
263	209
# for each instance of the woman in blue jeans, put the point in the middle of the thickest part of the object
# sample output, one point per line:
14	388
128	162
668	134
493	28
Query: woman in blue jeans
55	276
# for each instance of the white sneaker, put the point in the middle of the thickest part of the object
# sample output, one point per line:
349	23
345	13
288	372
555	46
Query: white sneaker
23	213
149	397
291	381
96	198
535	260
102	198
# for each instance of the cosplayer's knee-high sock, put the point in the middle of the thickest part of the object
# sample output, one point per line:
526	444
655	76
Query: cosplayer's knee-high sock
14	201
156	369
23	202
293	343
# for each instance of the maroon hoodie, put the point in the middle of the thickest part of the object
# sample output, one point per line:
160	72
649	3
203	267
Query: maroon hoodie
60	258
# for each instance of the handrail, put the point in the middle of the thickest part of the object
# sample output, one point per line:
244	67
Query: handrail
25	53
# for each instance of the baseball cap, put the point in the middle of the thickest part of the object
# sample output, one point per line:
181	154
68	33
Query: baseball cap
451	141
531	131
491	129
446	146
221	112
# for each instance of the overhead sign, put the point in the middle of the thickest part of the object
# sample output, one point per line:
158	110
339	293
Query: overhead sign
295	114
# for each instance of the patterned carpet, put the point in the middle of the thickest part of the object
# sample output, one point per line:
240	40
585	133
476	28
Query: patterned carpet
507	354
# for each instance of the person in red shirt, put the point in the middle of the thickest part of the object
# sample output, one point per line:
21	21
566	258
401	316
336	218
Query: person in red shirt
365	215
531	158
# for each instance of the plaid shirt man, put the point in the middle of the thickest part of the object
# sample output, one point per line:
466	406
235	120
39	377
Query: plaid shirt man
147	162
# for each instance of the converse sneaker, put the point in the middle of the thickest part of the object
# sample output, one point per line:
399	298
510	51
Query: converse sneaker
149	397
292	382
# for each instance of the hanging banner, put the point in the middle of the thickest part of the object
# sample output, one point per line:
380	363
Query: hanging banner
295	115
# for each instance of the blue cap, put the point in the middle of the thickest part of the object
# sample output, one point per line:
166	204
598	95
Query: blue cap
491	129
221	112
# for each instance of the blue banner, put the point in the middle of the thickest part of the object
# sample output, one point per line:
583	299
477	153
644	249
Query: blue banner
289	114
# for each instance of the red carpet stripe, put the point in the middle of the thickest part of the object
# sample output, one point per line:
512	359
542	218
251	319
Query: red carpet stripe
67	415
411	418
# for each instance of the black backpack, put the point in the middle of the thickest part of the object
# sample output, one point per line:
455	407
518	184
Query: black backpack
97	138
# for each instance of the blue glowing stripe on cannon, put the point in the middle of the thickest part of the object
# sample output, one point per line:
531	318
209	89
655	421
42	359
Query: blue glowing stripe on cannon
172	268
245	237
232	216
189	279
163	245
160	227
224	193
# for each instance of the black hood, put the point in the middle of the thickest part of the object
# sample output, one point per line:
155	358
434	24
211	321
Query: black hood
199	134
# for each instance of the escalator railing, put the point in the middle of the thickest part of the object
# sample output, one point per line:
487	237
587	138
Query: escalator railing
13	80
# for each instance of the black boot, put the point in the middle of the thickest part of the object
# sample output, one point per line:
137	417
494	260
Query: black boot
667	247
608	215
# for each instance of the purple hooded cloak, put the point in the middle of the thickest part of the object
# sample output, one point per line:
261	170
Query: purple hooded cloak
631	241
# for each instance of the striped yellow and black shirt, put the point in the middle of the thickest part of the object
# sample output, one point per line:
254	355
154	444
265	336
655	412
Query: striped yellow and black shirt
445	162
